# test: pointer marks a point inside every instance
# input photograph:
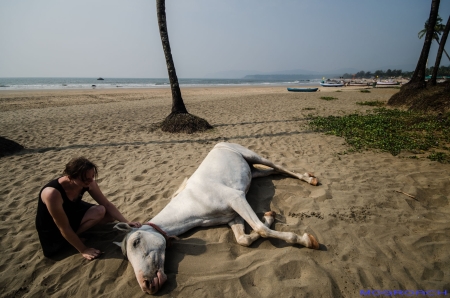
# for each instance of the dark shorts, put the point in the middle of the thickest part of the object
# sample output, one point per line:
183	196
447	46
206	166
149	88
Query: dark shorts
52	241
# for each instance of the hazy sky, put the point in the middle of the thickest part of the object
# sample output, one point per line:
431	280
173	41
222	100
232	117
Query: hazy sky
118	38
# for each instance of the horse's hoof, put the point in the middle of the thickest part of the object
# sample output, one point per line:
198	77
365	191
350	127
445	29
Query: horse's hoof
270	213
314	181
314	243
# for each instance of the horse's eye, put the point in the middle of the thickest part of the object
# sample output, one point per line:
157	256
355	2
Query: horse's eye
136	242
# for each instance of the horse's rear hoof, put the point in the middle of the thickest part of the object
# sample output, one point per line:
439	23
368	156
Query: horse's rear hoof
314	243
270	213
314	181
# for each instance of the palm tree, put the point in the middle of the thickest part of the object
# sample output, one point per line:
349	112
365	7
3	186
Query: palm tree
417	81
418	78
439	54
438	29
179	120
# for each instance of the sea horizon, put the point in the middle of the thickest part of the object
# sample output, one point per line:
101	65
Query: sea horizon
51	83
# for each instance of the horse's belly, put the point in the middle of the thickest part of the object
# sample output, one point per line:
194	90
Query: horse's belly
224	167
221	220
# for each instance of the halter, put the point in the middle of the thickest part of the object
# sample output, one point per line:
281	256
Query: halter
164	234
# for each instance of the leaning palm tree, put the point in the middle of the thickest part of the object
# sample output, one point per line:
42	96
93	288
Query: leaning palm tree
418	78
438	29
439	54
179	120
417	81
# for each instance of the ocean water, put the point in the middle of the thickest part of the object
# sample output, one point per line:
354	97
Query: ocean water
108	83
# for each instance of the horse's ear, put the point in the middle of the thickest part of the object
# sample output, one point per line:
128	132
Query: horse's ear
124	227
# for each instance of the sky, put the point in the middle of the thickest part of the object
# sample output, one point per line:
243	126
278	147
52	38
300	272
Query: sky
211	38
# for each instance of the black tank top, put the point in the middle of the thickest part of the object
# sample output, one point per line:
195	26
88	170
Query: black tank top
44	221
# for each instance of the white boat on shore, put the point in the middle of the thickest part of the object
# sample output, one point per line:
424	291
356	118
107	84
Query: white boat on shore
387	83
332	83
358	83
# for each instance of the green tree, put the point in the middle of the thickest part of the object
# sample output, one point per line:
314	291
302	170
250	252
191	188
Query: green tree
438	29
418	78
179	120
439	54
417	82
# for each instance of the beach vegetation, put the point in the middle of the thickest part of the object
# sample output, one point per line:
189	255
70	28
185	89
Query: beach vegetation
374	103
390	130
328	98
440	157
179	120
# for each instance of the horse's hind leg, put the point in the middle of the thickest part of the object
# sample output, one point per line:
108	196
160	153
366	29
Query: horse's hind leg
241	206
253	158
237	225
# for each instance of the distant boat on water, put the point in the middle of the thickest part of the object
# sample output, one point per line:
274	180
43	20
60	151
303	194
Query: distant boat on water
100	79
302	89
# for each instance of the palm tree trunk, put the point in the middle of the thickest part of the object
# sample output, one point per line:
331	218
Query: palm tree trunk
177	101
439	54
445	52
418	78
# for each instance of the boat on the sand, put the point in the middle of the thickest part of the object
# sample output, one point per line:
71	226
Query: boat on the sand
387	83
331	83
302	89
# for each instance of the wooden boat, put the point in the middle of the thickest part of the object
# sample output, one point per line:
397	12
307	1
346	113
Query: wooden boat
358	83
331	83
387	83
302	89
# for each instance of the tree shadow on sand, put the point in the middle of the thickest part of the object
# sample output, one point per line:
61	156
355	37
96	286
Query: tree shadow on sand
8	147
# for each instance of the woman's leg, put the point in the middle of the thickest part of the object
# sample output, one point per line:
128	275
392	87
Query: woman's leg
92	217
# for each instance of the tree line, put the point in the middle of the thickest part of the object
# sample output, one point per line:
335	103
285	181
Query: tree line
442	71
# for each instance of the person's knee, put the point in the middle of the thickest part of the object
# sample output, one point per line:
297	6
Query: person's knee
99	212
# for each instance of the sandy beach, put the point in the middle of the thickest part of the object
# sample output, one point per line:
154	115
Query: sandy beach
373	236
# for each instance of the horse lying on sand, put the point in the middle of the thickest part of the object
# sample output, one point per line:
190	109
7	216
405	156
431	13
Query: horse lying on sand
213	195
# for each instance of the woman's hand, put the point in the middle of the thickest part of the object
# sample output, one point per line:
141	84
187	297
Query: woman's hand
134	224
91	253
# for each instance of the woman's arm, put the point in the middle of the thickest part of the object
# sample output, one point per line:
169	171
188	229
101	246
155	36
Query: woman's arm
99	197
53	200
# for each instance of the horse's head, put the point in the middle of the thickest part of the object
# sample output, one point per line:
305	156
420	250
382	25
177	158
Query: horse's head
145	249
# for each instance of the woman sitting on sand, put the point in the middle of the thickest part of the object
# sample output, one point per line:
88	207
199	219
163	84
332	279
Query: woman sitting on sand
62	215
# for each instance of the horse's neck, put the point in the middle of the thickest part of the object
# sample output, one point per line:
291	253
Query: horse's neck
175	218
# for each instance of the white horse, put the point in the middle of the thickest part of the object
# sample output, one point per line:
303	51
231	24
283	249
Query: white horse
213	195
